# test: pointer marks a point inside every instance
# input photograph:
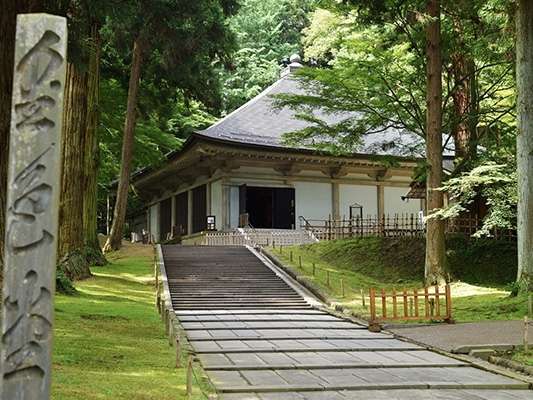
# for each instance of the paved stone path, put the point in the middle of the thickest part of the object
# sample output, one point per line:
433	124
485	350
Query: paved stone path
256	346
460	338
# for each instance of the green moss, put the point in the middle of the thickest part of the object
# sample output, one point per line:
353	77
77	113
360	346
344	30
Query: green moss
109	340
398	263
387	260
482	261
476	261
524	358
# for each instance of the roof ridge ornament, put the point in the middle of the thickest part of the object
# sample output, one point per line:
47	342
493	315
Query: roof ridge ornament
295	63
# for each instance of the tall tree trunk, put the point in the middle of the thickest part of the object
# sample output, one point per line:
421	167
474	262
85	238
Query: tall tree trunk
71	242
435	245
8	21
524	80
464	137
93	250
114	241
464	95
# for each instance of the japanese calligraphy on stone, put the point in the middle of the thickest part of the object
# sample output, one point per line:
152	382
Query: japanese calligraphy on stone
32	207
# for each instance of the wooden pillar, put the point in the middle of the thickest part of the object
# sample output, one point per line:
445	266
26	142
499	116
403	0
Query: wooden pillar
226	206
381	200
172	212
335	201
189	212
208	198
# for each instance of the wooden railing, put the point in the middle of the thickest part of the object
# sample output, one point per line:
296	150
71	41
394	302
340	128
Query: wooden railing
428	304
397	225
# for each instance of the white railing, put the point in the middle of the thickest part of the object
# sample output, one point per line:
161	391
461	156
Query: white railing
224	239
259	237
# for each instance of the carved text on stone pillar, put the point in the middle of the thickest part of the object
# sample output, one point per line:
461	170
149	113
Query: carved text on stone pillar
32	207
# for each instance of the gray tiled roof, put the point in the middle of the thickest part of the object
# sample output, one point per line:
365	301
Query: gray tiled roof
258	122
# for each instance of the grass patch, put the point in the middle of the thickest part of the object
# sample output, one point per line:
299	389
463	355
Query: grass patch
497	305
397	263
109	341
524	358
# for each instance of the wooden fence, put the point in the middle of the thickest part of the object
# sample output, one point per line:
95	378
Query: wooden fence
396	225
428	304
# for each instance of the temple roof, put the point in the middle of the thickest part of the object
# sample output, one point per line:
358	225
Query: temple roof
259	122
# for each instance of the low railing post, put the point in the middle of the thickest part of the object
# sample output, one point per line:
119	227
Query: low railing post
178	352
526	335
426	302
394	305
448	303
405	311
437	301
372	295
384	303
415	296
189	377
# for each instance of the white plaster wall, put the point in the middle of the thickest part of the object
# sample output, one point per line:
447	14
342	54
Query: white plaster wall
234	207
154	221
313	200
365	195
395	205
216	202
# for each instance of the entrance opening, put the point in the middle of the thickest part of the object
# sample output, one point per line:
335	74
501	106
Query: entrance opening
268	207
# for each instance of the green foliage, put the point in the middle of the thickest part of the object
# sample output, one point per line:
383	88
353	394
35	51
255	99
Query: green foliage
182	44
481	261
151	142
63	284
375	73
267	32
495	184
524	358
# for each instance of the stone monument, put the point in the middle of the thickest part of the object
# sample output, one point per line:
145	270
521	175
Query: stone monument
32	207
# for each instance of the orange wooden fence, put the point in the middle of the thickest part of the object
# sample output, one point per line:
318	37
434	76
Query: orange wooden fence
428	304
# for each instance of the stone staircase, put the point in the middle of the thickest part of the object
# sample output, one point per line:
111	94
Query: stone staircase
259	336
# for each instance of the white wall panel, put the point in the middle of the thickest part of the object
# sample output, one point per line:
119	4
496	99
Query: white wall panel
154	221
216	202
313	200
395	205
365	195
234	206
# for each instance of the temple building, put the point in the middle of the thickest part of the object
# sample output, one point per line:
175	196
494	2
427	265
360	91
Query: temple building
240	171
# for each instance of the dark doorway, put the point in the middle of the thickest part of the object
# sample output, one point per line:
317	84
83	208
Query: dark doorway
199	209
268	207
182	213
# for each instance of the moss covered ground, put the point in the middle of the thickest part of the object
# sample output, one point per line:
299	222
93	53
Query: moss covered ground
109	340
481	272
